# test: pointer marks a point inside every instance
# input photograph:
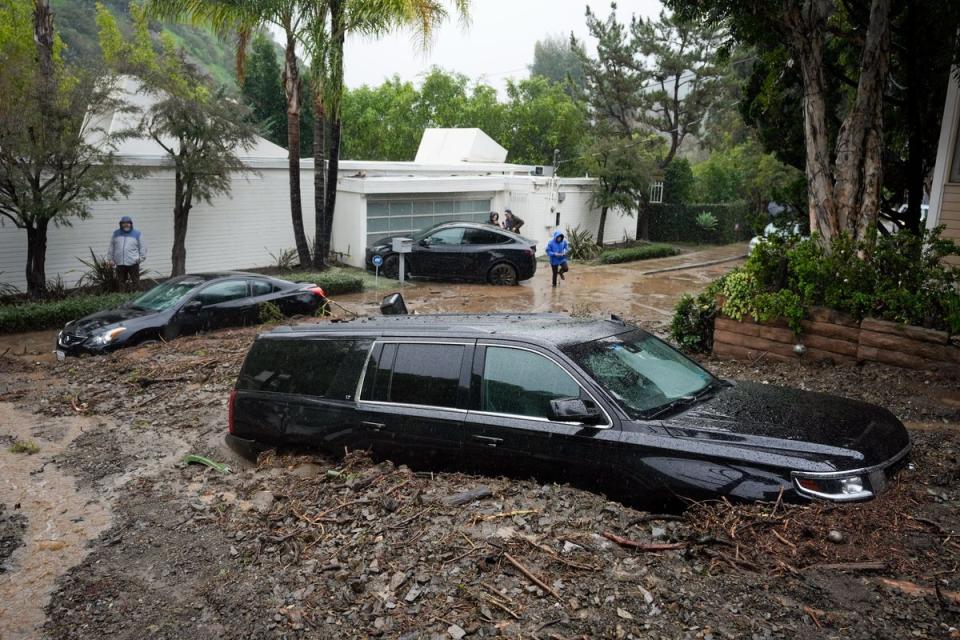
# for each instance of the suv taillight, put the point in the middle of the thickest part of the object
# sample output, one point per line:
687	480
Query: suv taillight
230	409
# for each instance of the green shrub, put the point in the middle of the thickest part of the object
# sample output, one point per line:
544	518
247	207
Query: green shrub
33	316
692	325
582	244
333	282
678	223
642	252
903	278
100	274
269	313
706	222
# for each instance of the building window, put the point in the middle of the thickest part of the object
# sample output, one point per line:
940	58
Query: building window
656	191
404	216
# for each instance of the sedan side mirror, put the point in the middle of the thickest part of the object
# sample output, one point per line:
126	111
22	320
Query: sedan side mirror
192	306
574	410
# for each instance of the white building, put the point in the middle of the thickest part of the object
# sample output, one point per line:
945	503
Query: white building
458	175
945	189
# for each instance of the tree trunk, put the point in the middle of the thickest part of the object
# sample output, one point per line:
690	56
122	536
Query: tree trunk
291	88
181	215
859	169
915	177
603	223
807	23
36	259
643	219
334	85
321	245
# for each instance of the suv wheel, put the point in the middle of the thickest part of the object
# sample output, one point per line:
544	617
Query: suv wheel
503	273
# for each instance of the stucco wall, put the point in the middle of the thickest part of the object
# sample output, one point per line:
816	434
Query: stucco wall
230	233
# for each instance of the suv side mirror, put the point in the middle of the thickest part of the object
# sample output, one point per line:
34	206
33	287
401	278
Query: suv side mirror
393	305
424	243
574	410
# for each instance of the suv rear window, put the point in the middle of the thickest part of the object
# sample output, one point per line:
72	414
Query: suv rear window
322	368
426	374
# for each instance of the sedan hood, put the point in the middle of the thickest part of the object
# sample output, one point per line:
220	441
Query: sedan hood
93	323
860	433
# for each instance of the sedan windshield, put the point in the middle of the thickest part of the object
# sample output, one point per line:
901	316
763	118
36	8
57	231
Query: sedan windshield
642	372
164	296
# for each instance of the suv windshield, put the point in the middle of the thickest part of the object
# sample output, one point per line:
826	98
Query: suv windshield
164	296
642	372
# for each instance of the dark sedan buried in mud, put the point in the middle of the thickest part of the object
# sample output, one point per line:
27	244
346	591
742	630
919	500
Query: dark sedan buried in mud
184	305
600	404
460	251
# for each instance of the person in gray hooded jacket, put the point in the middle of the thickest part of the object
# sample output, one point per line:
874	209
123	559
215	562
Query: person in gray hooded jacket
126	252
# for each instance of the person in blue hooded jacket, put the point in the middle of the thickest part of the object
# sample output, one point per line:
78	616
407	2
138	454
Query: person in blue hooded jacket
126	253
557	250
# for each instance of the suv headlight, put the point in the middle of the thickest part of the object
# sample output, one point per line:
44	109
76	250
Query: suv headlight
107	337
841	488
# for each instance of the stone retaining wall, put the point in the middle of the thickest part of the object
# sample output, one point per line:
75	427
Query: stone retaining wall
829	335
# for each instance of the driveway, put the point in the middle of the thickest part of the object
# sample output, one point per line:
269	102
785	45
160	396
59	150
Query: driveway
645	291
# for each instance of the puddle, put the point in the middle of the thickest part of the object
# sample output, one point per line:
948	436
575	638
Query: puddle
60	518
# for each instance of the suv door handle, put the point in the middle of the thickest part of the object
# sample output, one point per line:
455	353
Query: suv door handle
488	440
373	426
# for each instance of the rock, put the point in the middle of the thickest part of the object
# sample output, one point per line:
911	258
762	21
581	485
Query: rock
623	613
658	533
835	536
413	594
456	631
570	547
262	501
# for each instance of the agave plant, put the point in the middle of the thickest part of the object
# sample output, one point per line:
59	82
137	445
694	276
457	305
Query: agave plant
582	245
99	275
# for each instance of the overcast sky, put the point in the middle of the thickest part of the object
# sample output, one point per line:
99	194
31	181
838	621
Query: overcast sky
496	45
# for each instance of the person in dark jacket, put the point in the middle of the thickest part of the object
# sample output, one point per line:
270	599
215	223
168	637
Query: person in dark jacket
494	219
557	250
511	222
126	252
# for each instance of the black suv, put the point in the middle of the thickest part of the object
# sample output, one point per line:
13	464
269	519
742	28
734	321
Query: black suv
597	403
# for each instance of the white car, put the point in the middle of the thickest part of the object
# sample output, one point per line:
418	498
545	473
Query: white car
773	230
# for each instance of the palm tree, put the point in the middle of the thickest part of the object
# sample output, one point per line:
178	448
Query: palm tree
329	23
242	18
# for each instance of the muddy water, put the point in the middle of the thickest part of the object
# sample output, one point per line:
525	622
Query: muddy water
61	518
33	346
629	289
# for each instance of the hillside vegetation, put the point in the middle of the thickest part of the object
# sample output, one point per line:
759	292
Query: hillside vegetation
74	21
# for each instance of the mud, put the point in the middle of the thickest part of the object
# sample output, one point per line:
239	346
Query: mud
624	289
61	518
156	548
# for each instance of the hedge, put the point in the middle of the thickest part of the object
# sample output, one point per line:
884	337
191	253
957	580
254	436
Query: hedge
677	223
334	283
642	252
34	316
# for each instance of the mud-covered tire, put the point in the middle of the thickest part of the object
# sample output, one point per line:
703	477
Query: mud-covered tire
503	273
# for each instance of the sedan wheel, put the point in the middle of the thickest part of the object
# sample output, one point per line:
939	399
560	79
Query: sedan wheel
391	266
503	274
